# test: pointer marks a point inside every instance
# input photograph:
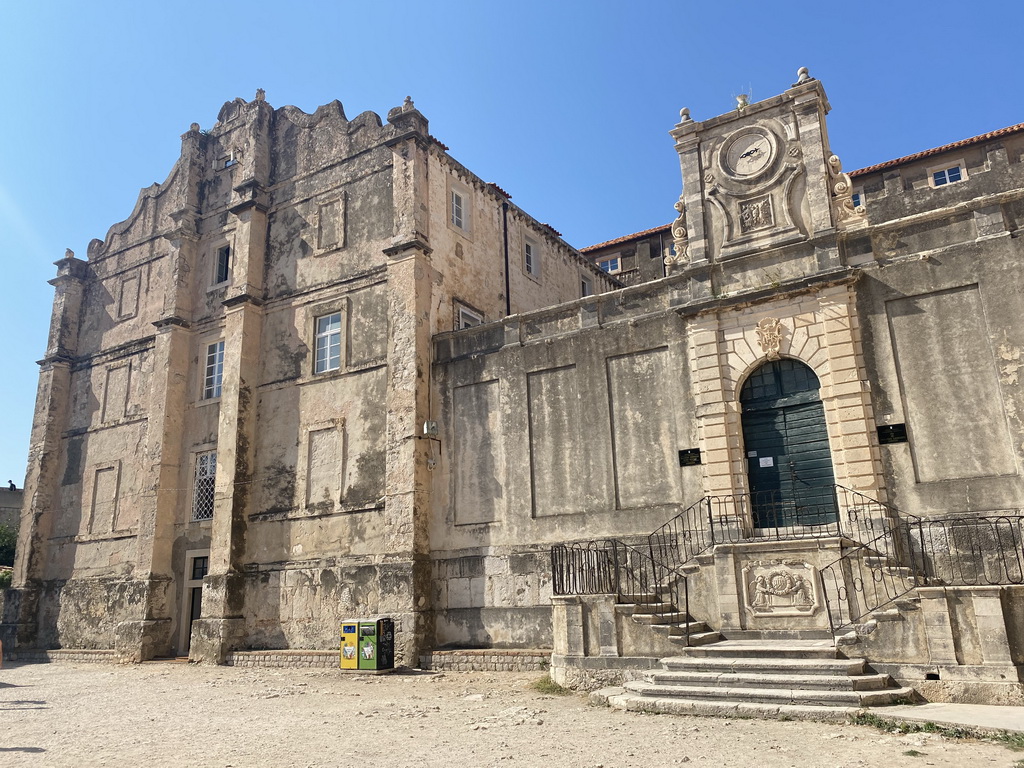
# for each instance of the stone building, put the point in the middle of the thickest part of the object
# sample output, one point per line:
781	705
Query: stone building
232	443
10	506
355	379
810	429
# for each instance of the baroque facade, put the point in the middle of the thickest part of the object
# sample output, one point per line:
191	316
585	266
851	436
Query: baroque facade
323	370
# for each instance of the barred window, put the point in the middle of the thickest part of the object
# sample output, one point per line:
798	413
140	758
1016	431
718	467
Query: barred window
206	477
214	370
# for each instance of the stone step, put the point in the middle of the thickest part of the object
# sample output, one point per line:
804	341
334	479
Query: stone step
672	617
681	629
696	638
705	678
798	696
828	667
639	598
744	709
769	650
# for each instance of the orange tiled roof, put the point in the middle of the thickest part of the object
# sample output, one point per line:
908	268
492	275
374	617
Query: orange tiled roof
627	238
939	150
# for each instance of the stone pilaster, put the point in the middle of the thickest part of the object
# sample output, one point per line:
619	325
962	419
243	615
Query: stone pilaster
407	479
42	482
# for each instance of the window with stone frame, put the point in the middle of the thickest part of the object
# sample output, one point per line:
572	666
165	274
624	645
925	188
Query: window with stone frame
205	482
213	378
327	344
222	268
531	258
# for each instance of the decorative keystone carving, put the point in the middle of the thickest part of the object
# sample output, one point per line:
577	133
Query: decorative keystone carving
681	257
780	588
842	191
769	337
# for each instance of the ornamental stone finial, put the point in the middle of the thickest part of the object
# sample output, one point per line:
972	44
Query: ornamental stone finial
742	101
68	253
261	95
684	115
194	127
802	75
407	104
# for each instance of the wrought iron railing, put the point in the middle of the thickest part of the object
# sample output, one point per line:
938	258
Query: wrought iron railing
610	566
960	550
884	554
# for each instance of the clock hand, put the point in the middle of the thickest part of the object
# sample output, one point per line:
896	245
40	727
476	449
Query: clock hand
751	152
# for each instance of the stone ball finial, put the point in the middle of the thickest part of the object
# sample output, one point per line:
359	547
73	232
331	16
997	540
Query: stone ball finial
684	115
194	127
261	95
742	101
802	75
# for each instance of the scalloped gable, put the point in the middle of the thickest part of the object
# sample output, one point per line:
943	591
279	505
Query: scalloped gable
144	210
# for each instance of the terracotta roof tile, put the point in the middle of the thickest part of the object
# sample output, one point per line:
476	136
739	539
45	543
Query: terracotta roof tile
627	238
939	150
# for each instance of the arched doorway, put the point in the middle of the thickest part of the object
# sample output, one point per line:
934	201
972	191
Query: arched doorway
789	463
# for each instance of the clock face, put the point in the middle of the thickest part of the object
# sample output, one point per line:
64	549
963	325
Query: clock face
749	154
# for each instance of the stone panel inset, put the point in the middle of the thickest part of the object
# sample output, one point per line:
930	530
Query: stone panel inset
950	385
780	588
555	448
643	429
479	460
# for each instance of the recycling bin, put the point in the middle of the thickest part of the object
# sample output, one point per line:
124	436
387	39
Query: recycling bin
377	644
350	644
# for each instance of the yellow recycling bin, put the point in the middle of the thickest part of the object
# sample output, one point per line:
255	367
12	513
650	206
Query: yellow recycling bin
350	644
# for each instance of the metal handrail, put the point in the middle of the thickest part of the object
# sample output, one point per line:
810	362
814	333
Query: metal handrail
610	566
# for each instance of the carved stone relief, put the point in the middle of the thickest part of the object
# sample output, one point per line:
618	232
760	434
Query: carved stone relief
769	337
842	194
756	214
681	257
780	588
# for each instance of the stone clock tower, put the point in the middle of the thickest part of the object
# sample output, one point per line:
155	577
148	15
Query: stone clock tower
763	194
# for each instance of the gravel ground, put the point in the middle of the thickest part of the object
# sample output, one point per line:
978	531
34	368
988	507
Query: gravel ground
173	714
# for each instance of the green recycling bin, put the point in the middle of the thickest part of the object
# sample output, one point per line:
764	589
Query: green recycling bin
377	644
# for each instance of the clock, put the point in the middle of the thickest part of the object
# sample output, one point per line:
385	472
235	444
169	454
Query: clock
748	154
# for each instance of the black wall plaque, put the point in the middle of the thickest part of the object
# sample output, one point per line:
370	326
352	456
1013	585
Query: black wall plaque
690	457
888	434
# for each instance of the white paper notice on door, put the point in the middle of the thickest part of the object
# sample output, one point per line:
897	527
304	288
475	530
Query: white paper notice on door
766	461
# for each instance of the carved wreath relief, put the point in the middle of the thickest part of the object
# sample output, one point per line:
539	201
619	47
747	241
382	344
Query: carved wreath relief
769	337
780	588
756	214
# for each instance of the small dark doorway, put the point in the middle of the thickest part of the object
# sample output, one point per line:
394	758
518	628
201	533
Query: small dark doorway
789	462
198	566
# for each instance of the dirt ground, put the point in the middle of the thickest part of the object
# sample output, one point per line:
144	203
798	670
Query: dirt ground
173	714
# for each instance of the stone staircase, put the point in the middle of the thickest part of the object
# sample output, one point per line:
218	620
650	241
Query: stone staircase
759	678
664	618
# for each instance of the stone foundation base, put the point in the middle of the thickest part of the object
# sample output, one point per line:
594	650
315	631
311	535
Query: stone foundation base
588	673
33	656
286	659
487	660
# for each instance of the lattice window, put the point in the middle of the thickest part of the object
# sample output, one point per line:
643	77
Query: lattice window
206	477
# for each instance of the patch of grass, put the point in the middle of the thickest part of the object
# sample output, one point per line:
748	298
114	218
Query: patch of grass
549	687
1009	739
913	753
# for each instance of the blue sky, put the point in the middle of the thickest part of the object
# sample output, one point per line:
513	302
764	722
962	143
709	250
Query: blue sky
564	104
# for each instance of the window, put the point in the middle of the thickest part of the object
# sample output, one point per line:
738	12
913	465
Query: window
458	210
948	176
467	318
586	286
858	200
206	476
531	259
327	356
223	266
611	266
214	370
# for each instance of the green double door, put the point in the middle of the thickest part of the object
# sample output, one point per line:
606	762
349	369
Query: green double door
789	462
